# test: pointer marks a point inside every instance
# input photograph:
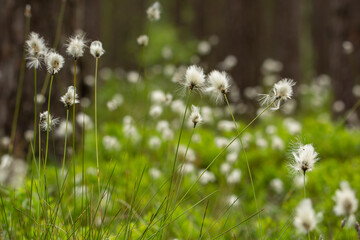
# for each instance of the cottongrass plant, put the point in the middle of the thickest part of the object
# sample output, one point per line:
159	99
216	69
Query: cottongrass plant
346	204
153	12
68	99
97	50
306	219
54	63
304	158
75	48
281	91
36	51
194	81
219	88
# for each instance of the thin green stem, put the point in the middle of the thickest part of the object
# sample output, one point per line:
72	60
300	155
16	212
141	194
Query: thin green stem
48	122
222	151
19	88
351	111
73	136
96	129
304	185
176	154
33	147
247	163
66	130
35	106
182	166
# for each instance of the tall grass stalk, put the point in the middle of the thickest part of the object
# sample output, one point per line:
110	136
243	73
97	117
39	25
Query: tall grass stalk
178	183
48	122
20	87
175	157
247	163
221	152
73	135
96	125
66	131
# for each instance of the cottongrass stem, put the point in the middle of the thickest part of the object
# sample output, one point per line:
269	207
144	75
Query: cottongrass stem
97	51
247	161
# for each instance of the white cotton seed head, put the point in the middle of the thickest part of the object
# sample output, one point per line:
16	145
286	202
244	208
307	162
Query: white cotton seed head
345	199
143	40
282	91
234	177
194	78
304	158
36	50
219	84
54	62
305	219
35	45
96	49
153	12
70	97
46	123
76	46
195	115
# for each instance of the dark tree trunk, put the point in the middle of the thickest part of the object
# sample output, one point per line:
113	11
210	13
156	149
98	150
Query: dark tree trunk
286	36
320	27
345	68
243	39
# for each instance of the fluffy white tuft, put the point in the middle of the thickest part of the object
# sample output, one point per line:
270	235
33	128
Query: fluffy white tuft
304	158
153	12
76	46
96	49
70	97
281	91
54	62
306	219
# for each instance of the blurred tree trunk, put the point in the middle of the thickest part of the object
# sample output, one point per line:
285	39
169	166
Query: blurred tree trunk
286	30
345	68
243	39
320	29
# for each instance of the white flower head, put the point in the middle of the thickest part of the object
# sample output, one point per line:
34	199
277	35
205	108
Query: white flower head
195	115
70	97
345	199
36	50
96	49
194	78
306	219
46	123
219	84
304	158
281	91
234	177
54	62
153	12
76	46
143	40
111	143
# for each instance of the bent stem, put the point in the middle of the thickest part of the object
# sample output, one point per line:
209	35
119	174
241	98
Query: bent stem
96	130
248	165
66	131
